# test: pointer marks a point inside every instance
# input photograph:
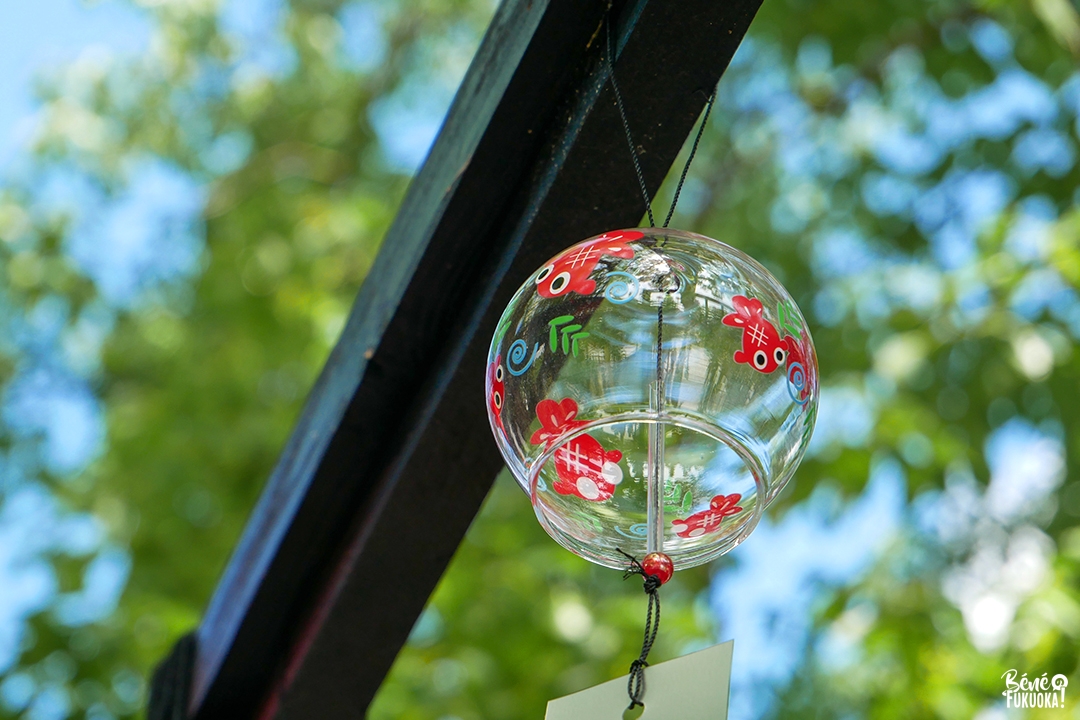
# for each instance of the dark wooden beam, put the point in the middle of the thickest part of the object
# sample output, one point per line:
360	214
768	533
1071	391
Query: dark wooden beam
392	456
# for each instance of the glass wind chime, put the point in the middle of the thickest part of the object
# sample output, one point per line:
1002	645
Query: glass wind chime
652	390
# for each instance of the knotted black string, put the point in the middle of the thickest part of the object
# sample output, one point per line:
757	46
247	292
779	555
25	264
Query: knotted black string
635	687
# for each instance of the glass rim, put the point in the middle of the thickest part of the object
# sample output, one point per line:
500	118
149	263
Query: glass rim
715	433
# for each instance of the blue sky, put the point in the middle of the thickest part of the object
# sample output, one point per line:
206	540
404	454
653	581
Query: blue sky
35	37
39	34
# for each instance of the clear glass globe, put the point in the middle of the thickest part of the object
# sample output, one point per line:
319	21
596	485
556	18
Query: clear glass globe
626	449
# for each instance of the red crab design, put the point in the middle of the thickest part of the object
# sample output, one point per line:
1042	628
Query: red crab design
584	467
498	390
569	272
699	523
762	348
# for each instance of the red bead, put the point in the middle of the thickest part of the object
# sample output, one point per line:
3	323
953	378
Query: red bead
660	565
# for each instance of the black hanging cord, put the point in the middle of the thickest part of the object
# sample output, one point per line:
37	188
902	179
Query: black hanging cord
630	136
625	124
690	158
636	684
635	687
668	283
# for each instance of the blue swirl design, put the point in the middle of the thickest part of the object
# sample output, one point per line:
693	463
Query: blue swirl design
621	291
541	486
796	375
516	356
637	531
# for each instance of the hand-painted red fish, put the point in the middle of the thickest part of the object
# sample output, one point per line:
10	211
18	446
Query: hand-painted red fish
498	390
762	348
587	470
699	523
584	468
570	271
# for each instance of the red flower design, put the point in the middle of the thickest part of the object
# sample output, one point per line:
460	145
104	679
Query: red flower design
556	419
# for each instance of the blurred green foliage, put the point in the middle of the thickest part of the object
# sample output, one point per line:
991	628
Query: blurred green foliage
203	376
